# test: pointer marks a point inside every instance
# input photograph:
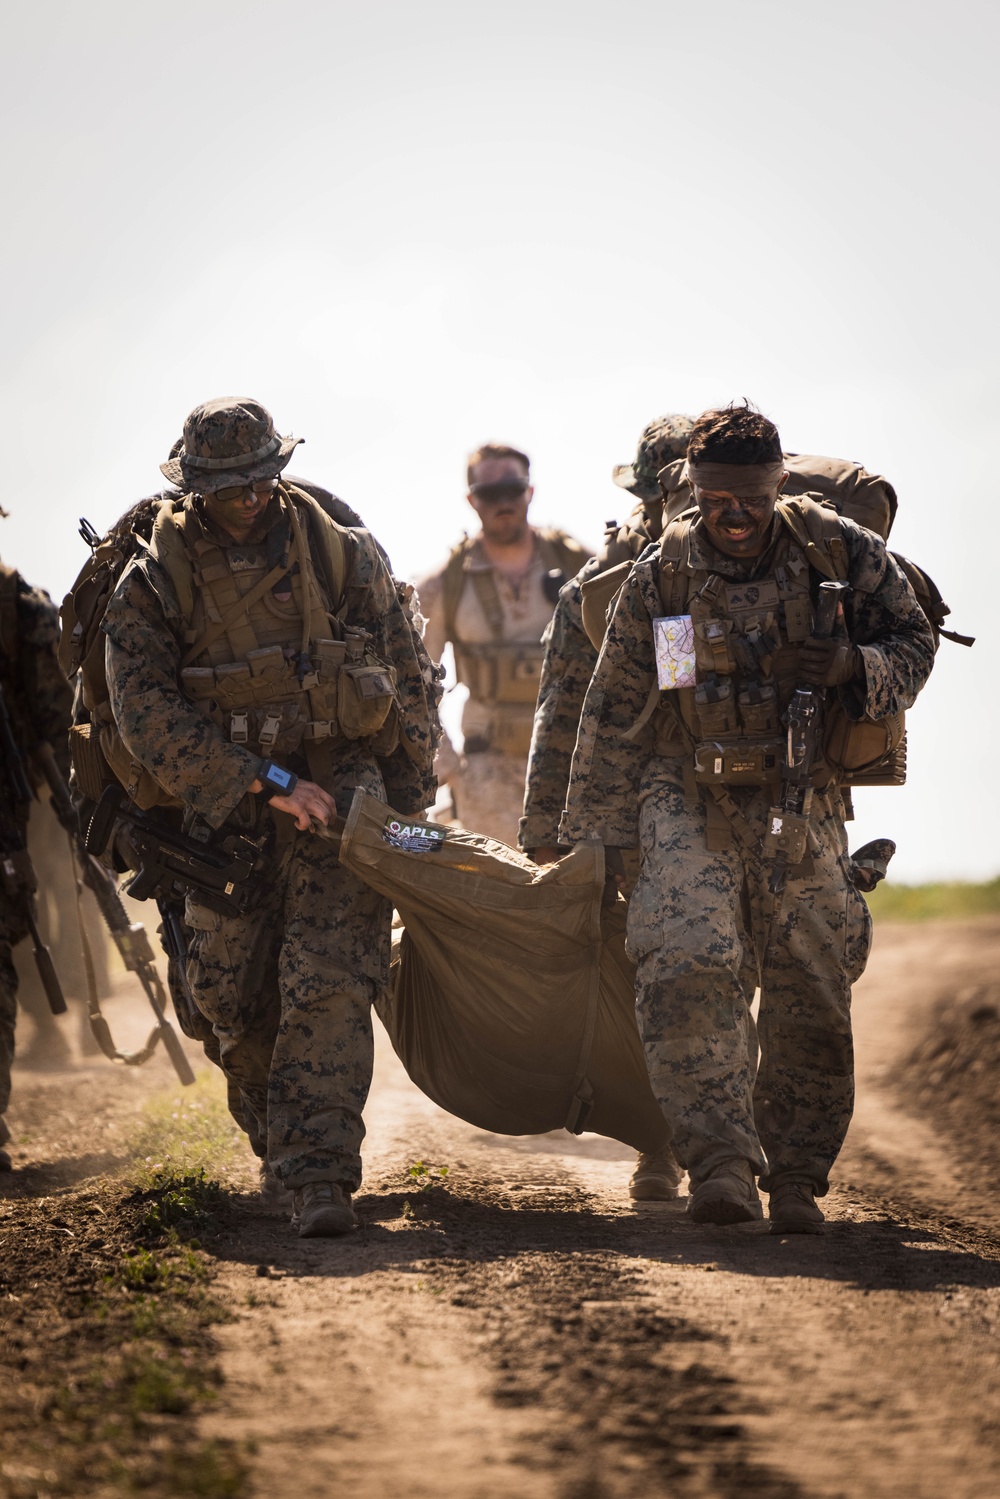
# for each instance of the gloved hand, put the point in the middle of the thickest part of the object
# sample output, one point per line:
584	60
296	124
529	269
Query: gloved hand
829	663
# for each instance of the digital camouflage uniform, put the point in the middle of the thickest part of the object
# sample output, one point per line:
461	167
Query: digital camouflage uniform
495	626
39	701
659	477
288	984
703	882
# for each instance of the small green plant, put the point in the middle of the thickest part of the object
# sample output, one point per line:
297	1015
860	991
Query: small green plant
424	1177
181	1203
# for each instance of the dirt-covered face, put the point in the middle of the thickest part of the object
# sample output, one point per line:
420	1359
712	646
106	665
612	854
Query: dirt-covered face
738	525
500	494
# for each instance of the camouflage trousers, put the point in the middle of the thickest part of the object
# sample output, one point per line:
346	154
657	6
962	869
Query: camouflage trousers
691	919
288	988
489	794
197	1028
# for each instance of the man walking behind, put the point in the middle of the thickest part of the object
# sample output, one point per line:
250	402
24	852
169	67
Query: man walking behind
493	600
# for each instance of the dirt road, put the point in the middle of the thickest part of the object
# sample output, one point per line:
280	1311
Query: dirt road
522	1330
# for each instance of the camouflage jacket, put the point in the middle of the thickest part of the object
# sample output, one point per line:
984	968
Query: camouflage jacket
39	698
883	618
569	661
188	754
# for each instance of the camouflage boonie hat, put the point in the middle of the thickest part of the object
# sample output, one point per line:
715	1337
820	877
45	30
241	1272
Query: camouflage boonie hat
662	441
228	441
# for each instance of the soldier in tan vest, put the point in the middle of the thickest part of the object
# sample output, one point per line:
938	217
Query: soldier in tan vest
493	599
261	665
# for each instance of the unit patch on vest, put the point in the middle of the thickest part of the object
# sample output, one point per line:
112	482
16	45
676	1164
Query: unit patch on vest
761	597
414	837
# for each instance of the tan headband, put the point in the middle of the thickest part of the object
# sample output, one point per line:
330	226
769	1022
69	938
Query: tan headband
735	478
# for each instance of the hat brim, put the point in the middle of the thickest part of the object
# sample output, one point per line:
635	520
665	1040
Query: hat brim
624	476
203	481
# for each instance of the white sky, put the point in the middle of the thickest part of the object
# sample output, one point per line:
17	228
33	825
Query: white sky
409	229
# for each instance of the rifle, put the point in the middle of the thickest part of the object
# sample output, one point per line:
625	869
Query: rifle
19	880
219	870
129	937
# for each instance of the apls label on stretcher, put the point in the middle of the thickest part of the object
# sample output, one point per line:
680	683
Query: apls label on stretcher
414	837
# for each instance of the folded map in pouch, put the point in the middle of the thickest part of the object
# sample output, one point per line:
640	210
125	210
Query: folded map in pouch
673	641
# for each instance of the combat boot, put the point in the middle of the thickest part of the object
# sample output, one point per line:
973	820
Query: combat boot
6	1164
323	1210
793	1210
727	1195
656	1176
274	1196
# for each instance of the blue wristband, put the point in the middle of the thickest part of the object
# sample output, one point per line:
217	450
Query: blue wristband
277	780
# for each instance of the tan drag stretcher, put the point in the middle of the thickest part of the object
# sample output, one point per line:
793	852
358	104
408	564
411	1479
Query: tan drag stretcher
511	1003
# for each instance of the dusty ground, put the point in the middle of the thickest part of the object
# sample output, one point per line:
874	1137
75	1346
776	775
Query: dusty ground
522	1331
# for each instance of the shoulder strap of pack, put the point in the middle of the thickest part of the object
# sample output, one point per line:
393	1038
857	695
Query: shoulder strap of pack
452	584
560	552
170	548
330	540
817	529
675	550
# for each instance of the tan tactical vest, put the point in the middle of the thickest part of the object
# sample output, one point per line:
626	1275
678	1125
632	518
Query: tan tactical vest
277	671
746	640
502	674
267	656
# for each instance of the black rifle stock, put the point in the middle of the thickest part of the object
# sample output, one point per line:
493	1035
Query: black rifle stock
219	871
129	937
19	879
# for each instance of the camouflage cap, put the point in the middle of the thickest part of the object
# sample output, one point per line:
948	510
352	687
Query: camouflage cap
661	442
230	440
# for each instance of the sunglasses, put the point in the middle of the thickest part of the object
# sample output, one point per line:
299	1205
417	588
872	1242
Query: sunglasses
506	489
261	490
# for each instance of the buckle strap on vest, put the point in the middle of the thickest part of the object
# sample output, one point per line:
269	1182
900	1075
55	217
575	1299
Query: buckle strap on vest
222	627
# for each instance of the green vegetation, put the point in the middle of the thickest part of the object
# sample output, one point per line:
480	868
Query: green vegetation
107	1346
947	901
423	1176
187	1131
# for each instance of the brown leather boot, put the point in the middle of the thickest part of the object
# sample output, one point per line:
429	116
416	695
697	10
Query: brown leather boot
727	1195
793	1209
656	1176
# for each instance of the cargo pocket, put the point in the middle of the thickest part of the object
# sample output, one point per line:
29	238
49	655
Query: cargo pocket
366	693
644	927
210	968
857	935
